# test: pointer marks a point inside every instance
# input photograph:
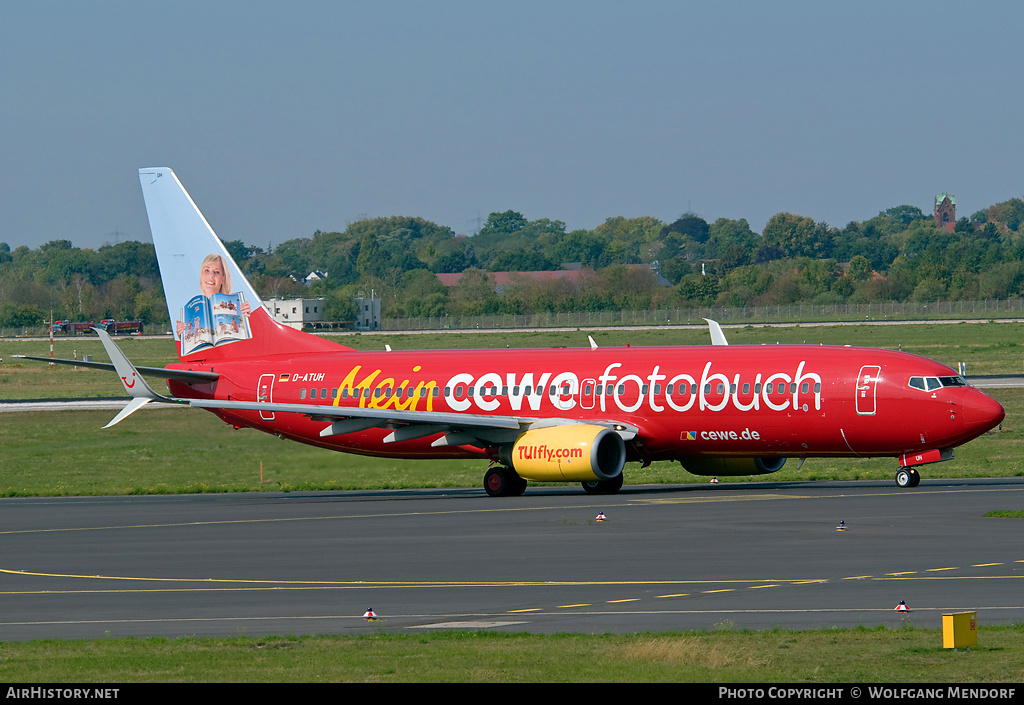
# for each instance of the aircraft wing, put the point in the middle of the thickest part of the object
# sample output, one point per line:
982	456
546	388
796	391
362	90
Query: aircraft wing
459	429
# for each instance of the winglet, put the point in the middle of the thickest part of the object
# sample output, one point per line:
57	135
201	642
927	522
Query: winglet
131	379
593	345
717	336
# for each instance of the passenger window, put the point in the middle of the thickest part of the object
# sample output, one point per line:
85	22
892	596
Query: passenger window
302	394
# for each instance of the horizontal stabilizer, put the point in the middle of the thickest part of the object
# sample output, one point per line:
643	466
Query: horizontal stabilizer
192	376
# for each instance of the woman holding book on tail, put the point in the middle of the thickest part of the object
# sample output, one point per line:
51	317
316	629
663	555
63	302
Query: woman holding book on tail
216	315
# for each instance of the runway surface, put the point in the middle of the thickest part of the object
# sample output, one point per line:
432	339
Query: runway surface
750	555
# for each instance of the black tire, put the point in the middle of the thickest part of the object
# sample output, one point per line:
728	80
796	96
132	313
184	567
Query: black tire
915	478
904	478
603	486
518	486
503	482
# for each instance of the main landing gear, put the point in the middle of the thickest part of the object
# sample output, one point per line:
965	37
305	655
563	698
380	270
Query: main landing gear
503	482
907	477
603	486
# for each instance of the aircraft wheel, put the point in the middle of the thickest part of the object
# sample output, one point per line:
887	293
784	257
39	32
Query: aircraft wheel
502	482
904	478
518	486
915	478
603	486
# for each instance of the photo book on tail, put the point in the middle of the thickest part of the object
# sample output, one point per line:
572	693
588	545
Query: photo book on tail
213	320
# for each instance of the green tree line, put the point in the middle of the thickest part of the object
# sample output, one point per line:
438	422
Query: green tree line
623	263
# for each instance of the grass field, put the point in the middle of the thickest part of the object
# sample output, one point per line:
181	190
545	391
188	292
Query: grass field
188	451
986	348
185	450
879	655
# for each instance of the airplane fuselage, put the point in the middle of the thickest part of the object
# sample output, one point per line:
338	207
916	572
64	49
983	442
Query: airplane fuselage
767	401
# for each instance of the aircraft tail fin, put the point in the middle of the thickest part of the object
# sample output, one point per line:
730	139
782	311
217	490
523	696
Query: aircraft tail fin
215	312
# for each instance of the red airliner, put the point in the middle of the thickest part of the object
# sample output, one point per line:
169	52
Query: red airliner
550	415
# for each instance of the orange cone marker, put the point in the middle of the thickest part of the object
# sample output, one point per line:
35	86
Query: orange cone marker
369	616
842	526
601	516
902	607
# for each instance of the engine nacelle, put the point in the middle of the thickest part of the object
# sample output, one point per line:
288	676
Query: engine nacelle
732	466
576	452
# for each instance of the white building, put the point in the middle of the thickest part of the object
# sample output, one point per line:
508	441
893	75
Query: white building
296	312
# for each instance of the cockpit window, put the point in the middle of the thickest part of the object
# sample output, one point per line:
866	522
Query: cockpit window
932	383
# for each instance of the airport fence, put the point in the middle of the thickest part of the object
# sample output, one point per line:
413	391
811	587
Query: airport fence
790	313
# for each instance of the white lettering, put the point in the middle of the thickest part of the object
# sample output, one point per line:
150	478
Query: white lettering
712	391
560	382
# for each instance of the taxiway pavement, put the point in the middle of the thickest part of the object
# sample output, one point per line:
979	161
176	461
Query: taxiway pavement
739	555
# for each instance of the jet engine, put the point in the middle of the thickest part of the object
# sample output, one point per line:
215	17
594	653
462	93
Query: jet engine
578	452
732	466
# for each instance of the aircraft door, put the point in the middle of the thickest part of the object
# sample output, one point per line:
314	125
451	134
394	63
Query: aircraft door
265	393
587	387
867	383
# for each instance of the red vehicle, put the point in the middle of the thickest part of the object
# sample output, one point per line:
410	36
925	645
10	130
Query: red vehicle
121	327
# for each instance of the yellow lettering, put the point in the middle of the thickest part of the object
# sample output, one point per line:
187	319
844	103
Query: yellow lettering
350	384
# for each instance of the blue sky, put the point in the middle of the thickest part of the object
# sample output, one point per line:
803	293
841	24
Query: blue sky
284	118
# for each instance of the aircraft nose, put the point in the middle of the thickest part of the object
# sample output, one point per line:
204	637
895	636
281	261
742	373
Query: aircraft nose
982	412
